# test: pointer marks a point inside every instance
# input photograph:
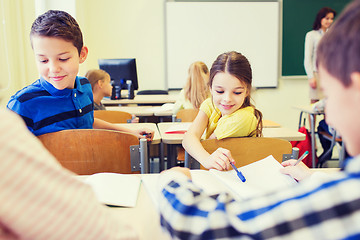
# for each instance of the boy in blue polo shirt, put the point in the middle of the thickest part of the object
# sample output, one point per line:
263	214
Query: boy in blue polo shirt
60	99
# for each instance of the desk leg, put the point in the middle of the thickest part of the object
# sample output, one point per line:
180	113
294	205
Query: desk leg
312	134
161	160
171	155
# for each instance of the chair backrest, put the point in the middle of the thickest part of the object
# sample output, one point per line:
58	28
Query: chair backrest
247	150
113	116
89	151
187	115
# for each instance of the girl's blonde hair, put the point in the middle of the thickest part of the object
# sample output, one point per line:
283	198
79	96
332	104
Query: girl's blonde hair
196	88
95	75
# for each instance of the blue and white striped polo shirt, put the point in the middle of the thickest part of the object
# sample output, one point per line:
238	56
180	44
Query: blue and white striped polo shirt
46	109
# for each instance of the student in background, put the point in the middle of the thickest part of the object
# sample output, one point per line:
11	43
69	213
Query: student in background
196	89
101	87
323	21
228	113
321	206
42	200
60	99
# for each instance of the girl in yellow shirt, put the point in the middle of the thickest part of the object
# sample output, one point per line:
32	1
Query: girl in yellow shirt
228	113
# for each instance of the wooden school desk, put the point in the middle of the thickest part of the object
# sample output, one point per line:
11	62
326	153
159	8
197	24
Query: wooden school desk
143	111
270	124
142	99
145	218
174	140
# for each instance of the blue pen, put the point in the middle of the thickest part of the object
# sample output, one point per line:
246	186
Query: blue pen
240	175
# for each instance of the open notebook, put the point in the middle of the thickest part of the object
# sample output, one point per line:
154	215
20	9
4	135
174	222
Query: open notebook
115	189
262	177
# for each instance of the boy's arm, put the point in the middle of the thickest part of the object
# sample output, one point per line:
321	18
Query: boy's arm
140	133
45	200
187	210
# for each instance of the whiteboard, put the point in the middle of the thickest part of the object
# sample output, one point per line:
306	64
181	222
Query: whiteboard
200	31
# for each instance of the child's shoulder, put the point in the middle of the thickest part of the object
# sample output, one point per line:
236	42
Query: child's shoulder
29	91
243	112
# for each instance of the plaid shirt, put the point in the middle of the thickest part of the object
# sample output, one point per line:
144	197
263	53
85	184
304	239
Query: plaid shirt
41	200
325	206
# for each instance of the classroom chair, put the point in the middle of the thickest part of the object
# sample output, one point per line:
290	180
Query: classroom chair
113	116
334	140
89	151
185	115
246	150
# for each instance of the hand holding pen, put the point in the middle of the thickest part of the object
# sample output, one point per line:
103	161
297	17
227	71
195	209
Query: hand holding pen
301	158
295	169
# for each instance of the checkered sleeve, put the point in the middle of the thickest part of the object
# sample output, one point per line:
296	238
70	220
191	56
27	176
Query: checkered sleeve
328	209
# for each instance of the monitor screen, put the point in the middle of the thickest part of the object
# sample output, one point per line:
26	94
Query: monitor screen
120	70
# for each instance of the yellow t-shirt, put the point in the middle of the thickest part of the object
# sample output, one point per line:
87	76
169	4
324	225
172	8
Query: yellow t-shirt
240	123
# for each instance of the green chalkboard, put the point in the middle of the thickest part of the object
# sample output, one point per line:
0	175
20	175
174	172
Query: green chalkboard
298	19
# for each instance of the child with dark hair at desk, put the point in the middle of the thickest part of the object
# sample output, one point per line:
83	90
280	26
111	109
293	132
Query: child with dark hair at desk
227	113
60	99
321	206
101	87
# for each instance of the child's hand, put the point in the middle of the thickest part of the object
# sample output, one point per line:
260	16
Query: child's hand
134	119
145	133
220	160
312	82
298	172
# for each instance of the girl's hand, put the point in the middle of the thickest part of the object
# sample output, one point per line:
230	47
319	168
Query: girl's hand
298	172
134	119
220	160
145	133
312	82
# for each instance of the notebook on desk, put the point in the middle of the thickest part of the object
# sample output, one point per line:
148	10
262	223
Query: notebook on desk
115	189
178	128
262	177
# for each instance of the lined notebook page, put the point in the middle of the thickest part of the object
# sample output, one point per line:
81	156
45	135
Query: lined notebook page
115	189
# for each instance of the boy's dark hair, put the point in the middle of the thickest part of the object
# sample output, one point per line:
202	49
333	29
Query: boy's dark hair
58	24
339	50
320	15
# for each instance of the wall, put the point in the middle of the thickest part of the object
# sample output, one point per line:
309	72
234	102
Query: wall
124	28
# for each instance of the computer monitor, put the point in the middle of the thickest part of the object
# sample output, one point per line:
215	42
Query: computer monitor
120	71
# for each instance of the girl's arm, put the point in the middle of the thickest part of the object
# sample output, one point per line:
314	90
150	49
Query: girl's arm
220	159
140	133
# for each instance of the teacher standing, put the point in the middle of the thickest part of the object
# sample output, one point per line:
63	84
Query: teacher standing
323	21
